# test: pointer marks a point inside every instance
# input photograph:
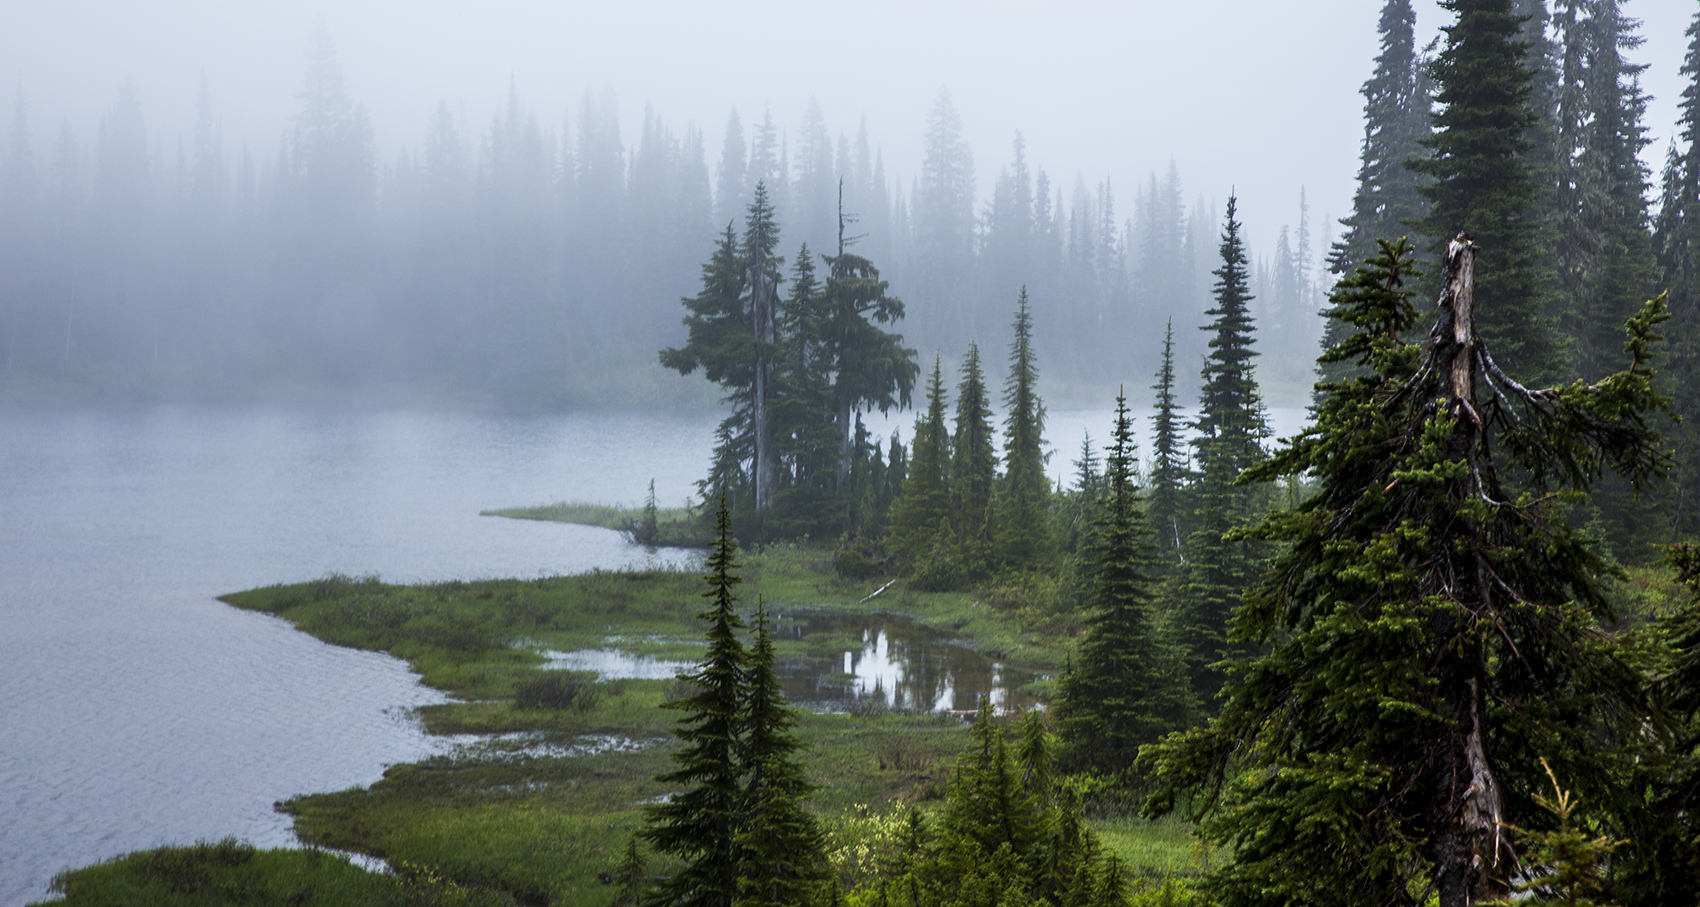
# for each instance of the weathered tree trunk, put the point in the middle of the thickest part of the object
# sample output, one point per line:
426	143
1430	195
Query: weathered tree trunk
1465	800
763	296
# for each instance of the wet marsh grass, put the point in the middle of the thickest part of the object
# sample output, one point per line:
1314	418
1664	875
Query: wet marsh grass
675	527
540	828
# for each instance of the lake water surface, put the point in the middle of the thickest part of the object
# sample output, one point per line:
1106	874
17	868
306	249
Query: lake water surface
136	710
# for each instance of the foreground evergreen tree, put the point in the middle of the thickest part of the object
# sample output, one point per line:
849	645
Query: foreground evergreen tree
1124	689
701	823
1231	428
1482	185
781	859
1023	530
1433	624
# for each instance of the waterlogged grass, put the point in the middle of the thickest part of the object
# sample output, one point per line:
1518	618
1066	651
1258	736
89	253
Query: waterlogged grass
228	872
534	825
675	527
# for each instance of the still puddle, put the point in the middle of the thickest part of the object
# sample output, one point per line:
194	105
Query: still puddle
854	661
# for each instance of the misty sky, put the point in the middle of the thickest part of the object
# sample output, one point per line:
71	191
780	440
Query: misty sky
1255	94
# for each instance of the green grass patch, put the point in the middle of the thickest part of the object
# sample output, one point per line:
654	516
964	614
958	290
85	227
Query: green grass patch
229	872
676	527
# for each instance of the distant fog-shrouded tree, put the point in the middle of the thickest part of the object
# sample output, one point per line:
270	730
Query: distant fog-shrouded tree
943	222
1480	180
1023	532
1677	240
1124	688
1229	435
1432	627
730	175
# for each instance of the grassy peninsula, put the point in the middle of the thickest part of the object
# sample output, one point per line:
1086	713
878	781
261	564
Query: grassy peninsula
545	802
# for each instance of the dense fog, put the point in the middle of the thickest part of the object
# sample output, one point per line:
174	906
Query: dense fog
371	203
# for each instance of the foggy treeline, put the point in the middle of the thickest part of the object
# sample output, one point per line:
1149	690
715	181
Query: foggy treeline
538	261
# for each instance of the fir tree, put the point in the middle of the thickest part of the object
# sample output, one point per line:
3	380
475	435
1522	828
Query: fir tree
1677	240
1432	617
871	367
1168	469
781	859
1230	428
1482	184
630	877
1122	691
974	461
1396	122
922	511
1023	530
701	823
719	342
804	417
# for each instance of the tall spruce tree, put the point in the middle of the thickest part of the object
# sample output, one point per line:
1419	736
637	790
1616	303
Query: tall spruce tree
1396	122
700	824
804	417
1604	252
761	238
871	367
719	341
781	858
974	459
1481	181
1230	431
1023	530
1433	623
922	512
1124	689
1167	506
1677	240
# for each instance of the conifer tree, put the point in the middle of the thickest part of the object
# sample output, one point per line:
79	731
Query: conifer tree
781	859
1482	184
804	417
701	823
1023	530
974	460
719	342
1396	121
1433	623
761	238
871	367
1123	690
1677	241
1604	252
1168	468
1231	428
922	512
629	876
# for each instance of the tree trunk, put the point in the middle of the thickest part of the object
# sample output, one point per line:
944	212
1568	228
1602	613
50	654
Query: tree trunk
1465	800
762	304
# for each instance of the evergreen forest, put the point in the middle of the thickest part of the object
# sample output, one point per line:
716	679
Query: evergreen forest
1442	647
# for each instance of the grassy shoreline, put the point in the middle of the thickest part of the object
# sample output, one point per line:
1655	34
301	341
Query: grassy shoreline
536	823
676	527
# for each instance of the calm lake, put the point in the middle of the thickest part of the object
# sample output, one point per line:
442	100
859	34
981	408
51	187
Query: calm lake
138	711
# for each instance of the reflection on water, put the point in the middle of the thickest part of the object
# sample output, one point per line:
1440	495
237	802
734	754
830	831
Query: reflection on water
854	660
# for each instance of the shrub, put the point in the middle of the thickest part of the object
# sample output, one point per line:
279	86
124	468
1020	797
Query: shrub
576	690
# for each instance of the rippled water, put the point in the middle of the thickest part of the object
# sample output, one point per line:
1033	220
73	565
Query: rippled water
136	710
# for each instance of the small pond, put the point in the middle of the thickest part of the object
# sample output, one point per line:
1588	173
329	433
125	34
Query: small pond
851	661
